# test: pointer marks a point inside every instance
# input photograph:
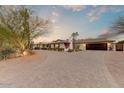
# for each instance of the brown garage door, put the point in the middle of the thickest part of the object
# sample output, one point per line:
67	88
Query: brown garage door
119	47
99	46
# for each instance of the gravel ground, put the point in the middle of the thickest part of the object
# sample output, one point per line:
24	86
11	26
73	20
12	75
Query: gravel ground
51	69
115	64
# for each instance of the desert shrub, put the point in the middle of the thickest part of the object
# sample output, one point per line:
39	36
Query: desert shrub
37	48
19	27
78	50
70	50
4	54
44	48
51	48
61	49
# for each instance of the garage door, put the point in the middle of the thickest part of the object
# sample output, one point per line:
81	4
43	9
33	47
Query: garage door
119	47
99	46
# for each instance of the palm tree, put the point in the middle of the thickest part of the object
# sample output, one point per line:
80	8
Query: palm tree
74	35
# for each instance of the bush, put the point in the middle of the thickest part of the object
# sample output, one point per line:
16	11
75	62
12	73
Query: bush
78	50
37	48
4	54
70	50
61	49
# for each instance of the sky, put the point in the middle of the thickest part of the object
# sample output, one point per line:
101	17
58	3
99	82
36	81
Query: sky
89	21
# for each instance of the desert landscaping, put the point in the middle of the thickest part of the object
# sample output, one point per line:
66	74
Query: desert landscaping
63	69
62	47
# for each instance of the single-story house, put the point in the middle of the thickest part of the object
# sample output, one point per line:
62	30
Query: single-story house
82	44
96	44
41	45
59	45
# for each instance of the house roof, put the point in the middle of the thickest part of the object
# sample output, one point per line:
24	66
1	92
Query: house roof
59	41
122	42
97	40
80	41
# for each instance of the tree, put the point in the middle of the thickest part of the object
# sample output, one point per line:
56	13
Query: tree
33	25
118	27
18	27
74	36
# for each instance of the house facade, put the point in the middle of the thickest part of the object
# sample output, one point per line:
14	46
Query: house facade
59	45
120	46
83	44
96	44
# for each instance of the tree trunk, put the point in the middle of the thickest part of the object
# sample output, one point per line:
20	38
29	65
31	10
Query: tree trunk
73	44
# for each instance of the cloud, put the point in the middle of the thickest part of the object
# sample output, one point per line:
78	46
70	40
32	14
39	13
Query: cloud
96	12
57	27
57	32
111	34
104	33
74	7
53	20
116	8
53	35
92	17
108	33
55	14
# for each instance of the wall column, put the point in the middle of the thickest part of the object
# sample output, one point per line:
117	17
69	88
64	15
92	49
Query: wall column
108	46
123	47
58	46
114	46
84	46
54	46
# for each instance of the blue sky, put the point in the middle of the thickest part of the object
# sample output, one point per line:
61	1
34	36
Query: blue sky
89	21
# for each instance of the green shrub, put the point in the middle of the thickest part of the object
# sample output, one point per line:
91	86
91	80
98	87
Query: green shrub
70	50
4	54
61	49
